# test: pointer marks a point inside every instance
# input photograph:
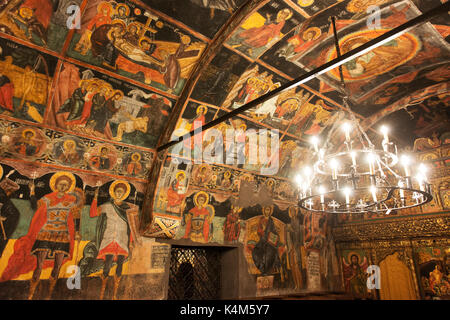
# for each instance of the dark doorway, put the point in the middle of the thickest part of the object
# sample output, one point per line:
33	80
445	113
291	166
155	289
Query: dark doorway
195	273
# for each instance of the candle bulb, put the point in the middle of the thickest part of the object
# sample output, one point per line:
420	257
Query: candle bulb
423	171
322	196
321	154
334	167
315	141
374	193
420	180
347	127
402	192
384	130
347	196
353	155
405	161
371	158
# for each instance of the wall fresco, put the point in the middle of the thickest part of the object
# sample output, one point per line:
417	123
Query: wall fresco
124	38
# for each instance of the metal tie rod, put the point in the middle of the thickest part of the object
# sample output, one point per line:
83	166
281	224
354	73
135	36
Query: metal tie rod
366	47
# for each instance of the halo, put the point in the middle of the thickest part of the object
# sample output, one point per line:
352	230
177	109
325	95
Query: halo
137	24
114	184
122	5
25	9
205	108
28	130
61	174
317	33
201	193
104	4
290	13
67	141
305	3
121	22
243	126
180	173
350	254
117	92
1	172
144	39
227	174
136	154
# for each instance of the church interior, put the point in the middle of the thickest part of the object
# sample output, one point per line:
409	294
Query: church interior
224	149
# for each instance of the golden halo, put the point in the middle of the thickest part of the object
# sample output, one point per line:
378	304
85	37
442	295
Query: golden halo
305	3
136	154
160	24
317	33
349	256
113	186
144	39
202	107
59	174
137	24
243	126
28	130
117	92
25	10
122	5
227	174
284	10
180	173
65	144
1	172
93	85
185	39
121	22
102	5
201	193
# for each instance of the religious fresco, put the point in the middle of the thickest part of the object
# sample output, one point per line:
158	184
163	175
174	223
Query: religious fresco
263	28
124	38
220	77
434	272
94	104
314	118
41	22
26	80
207	17
428	120
392	91
75	234
47	146
253	83
400	56
354	266
194	116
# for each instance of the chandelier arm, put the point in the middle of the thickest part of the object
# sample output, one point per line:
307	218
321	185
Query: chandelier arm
390	170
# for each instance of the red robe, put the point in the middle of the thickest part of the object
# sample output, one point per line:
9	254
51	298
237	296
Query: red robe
6	94
173	197
196	213
43	10
259	37
22	261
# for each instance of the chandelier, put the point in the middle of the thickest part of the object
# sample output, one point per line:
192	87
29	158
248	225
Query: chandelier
361	178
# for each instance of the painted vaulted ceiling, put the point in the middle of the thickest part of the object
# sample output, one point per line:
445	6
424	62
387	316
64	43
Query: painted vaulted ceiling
170	62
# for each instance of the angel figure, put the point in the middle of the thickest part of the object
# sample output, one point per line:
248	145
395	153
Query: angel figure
355	276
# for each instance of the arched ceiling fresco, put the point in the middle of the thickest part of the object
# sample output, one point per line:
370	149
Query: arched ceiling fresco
171	62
